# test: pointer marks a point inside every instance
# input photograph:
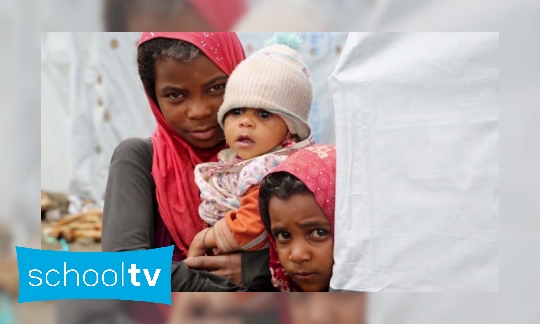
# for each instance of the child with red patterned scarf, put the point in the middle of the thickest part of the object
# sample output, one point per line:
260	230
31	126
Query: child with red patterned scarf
296	202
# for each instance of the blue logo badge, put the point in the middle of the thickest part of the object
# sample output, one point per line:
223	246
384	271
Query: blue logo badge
132	275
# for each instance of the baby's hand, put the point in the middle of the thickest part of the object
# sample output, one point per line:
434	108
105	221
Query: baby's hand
196	248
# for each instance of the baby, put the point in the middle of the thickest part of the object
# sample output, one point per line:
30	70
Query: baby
264	117
297	209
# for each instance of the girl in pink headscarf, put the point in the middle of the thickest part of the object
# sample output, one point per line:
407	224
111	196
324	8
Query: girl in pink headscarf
151	199
296	202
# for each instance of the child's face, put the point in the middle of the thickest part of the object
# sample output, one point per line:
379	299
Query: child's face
251	132
304	241
189	96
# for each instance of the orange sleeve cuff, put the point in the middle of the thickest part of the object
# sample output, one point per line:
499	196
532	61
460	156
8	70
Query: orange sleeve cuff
242	229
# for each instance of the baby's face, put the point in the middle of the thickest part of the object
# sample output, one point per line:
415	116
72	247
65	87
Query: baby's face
251	132
304	240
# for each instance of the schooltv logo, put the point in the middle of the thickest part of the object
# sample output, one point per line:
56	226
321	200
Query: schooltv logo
132	275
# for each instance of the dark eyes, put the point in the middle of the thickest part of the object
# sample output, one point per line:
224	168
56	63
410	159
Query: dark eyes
319	233
175	95
282	236
218	87
264	114
179	95
316	234
236	111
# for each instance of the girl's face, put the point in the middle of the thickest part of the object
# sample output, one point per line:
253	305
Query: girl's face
304	242
189	96
251	132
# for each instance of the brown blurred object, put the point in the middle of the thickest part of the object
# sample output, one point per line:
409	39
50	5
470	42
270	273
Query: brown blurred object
9	277
203	308
81	226
9	274
245	308
53	201
322	308
6	239
172	15
46	202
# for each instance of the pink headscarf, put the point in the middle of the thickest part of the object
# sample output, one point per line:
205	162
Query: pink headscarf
174	158
315	166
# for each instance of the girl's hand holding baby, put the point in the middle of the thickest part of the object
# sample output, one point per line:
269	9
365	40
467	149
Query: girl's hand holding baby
198	247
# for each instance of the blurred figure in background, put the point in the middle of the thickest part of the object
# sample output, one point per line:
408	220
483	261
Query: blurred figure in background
203	308
9	275
228	308
287	15
172	15
313	308
5	240
110	312
245	308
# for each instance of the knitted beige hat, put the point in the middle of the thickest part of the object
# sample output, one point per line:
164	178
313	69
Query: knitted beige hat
275	79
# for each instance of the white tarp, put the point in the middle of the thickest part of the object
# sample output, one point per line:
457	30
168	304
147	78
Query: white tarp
417	135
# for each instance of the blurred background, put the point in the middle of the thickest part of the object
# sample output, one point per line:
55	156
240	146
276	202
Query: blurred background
20	182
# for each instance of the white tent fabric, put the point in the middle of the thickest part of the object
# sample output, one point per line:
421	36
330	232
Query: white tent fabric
417	135
92	99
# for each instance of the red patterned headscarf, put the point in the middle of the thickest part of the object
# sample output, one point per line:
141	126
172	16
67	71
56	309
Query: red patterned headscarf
315	166
174	159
